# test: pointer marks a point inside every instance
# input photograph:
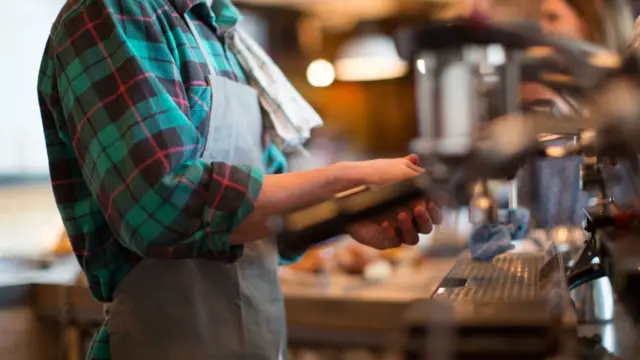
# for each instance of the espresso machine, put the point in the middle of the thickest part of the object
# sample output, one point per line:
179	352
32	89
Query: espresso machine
517	307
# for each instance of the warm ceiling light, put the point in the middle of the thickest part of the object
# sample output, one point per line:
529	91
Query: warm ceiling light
369	57
320	73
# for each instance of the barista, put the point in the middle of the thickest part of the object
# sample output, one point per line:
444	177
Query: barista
572	19
156	149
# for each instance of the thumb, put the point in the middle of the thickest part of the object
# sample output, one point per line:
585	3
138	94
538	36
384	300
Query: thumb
413	158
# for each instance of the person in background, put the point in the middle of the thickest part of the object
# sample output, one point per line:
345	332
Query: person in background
155	142
572	19
560	200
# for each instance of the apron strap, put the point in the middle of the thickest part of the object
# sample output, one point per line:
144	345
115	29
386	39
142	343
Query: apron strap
198	38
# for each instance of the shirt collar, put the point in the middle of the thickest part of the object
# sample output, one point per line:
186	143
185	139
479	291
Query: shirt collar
225	14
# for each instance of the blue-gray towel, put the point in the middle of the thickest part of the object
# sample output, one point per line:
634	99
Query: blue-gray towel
490	240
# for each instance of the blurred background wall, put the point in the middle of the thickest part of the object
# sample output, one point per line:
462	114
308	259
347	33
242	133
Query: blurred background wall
378	116
22	42
314	42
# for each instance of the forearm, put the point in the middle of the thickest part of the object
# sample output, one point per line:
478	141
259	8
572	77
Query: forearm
288	192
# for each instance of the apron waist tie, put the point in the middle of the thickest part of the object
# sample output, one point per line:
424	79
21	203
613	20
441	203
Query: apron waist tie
106	309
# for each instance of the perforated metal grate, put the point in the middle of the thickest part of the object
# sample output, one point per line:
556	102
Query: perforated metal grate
502	290
508	278
518	268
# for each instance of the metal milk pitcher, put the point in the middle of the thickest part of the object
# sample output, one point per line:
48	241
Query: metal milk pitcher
594	301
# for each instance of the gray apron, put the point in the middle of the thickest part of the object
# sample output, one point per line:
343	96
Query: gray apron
197	309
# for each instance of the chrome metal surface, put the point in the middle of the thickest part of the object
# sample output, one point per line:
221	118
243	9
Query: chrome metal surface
594	302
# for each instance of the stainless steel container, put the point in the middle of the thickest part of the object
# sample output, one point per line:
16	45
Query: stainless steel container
594	302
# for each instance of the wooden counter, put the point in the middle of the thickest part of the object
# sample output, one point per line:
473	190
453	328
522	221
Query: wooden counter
344	312
350	303
346	301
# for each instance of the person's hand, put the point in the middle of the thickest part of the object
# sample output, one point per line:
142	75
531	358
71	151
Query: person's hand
401	226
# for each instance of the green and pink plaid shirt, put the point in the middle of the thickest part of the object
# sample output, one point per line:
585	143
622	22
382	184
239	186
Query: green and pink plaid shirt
125	109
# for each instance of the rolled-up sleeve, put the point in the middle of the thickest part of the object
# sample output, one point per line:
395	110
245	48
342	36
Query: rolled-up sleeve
139	152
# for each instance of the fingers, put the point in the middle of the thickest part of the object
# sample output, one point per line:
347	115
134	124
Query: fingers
406	231
389	237
416	169
419	219
413	159
402	228
422	218
412	163
434	213
380	236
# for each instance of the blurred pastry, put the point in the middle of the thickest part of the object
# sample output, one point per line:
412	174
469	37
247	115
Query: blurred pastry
311	262
82	280
402	255
379	270
353	258
393	255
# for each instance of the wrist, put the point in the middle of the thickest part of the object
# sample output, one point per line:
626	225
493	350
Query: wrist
345	176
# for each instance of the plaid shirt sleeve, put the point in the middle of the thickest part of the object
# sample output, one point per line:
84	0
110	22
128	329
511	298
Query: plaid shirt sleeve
121	105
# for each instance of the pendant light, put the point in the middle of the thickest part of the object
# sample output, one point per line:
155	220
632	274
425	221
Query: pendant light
370	55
